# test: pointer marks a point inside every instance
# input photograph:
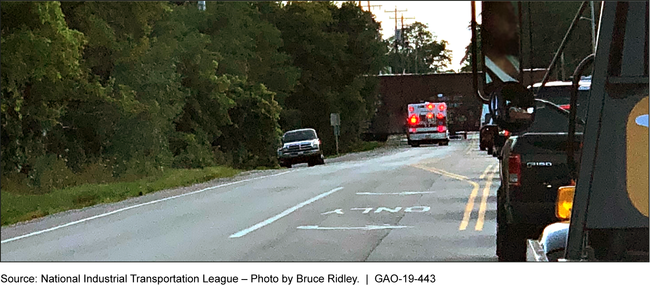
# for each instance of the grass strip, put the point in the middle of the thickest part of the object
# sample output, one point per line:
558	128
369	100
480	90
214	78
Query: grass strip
22	207
360	147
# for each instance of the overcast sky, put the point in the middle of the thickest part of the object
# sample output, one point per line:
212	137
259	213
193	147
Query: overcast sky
447	20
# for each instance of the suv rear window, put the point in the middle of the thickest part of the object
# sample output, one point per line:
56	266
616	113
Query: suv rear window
302	135
561	95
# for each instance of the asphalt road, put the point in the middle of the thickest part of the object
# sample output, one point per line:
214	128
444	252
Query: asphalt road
430	203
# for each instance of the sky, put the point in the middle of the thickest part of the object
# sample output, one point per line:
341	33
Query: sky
447	20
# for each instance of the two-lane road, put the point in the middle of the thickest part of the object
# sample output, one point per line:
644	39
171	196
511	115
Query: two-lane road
432	203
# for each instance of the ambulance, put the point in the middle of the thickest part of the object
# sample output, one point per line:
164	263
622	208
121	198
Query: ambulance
427	123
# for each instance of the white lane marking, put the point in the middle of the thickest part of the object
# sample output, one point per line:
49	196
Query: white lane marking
398	194
134	206
367	227
284	213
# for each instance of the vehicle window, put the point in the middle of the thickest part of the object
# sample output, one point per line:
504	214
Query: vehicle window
549	118
299	136
561	95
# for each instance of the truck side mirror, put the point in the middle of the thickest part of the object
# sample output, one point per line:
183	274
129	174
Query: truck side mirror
512	106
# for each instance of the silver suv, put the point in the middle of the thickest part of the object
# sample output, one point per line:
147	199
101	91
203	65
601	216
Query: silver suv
300	146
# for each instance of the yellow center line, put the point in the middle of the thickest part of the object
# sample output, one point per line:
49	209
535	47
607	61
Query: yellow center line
469	148
470	202
469	207
486	193
485	172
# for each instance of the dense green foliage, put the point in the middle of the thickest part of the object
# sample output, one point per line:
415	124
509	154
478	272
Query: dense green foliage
418	51
122	90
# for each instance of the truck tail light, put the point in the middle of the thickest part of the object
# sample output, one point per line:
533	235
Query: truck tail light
442	107
514	170
441	128
430	106
412	130
411	109
565	106
429	115
440	116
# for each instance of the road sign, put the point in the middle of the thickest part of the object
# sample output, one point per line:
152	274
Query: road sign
335	119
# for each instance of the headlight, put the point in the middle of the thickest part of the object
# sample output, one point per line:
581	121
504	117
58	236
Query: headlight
315	143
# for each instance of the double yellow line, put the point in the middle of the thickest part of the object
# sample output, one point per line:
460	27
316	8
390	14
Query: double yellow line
469	207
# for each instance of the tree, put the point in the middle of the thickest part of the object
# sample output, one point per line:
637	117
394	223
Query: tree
467	59
336	50
41	70
419	51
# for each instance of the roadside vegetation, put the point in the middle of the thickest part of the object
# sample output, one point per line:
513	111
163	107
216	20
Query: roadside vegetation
22	204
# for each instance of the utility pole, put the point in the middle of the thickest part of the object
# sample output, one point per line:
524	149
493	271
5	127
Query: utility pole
369	6
402	34
416	47
395	23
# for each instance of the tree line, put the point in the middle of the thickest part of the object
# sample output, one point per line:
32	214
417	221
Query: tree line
132	88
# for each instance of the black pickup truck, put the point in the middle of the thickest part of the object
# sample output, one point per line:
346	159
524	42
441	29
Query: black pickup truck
533	164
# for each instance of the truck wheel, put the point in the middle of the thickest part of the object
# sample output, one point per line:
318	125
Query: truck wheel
511	242
311	163
321	160
286	165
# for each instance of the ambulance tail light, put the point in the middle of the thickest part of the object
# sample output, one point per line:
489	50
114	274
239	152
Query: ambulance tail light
414	119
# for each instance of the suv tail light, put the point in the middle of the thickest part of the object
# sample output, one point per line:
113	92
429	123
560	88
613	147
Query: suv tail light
514	170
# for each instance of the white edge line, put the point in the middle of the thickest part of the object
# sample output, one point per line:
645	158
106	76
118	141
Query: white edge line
283	214
132	207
